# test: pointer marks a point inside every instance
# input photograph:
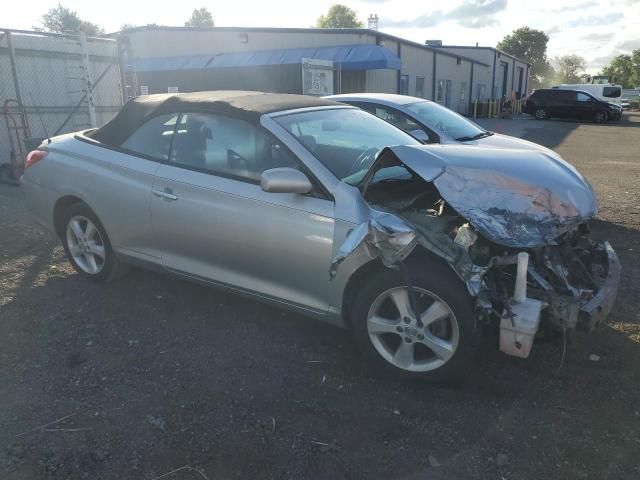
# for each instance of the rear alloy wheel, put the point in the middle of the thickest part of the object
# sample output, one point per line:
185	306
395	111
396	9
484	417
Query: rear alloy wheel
541	114
600	117
87	244
434	344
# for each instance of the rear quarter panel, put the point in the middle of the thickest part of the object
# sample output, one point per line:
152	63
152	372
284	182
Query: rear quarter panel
115	185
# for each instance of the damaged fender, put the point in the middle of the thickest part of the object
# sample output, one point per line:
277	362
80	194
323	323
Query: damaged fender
384	235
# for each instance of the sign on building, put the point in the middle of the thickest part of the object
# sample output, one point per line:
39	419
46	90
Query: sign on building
317	77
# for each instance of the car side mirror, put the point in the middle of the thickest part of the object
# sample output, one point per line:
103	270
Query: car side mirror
420	135
285	180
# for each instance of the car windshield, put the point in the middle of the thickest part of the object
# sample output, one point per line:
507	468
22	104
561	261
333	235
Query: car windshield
345	140
446	121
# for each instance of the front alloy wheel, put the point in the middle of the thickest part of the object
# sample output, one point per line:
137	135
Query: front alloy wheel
415	343
436	342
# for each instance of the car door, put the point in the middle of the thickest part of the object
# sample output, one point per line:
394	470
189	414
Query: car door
121	190
215	223
564	104
585	105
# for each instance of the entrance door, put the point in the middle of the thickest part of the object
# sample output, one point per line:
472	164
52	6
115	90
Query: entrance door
520	78
505	76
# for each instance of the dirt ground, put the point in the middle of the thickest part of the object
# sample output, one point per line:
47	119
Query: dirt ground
153	377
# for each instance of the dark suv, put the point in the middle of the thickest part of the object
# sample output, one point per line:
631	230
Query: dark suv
554	102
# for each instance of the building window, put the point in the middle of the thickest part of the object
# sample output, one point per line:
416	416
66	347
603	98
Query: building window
420	87
404	85
481	91
444	93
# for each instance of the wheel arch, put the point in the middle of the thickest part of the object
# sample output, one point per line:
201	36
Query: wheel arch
61	205
420	256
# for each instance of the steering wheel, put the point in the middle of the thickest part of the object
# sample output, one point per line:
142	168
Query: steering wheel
362	159
235	161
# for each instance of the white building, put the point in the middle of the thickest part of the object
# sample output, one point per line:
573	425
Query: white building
270	59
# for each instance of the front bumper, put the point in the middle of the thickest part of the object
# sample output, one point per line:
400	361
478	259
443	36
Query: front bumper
598	308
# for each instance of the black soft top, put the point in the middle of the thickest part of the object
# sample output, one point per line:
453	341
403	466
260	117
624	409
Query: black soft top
247	105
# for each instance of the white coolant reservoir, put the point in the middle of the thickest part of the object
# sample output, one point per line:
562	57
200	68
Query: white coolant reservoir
521	320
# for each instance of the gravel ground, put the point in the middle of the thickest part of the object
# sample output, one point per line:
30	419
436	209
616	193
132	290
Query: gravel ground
155	377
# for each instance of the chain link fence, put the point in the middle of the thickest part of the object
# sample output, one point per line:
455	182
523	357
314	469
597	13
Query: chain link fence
52	84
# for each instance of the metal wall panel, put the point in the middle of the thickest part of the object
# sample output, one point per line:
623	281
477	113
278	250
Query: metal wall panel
167	43
417	62
382	81
459	73
270	78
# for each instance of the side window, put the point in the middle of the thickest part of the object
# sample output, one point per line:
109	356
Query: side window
228	146
566	96
367	107
397	118
153	138
611	92
583	97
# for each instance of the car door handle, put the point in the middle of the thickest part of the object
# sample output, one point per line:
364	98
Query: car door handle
166	193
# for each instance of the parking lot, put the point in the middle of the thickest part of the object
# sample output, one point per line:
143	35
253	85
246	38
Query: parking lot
154	377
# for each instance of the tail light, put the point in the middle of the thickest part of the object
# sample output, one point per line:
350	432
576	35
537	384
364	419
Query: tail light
34	157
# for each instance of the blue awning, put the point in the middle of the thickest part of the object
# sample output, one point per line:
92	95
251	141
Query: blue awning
346	57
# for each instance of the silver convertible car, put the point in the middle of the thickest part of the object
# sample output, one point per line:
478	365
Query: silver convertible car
327	210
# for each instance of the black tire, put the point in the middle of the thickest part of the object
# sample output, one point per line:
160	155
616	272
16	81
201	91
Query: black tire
541	114
601	117
438	278
111	267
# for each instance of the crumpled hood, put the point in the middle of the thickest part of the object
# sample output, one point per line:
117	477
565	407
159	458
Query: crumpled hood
515	197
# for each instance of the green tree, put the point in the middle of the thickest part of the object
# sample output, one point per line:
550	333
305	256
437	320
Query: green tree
339	16
201	17
127	26
585	78
64	20
569	68
531	45
626	69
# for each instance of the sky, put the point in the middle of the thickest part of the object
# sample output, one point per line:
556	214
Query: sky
594	29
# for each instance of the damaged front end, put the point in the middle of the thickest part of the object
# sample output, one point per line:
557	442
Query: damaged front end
512	224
